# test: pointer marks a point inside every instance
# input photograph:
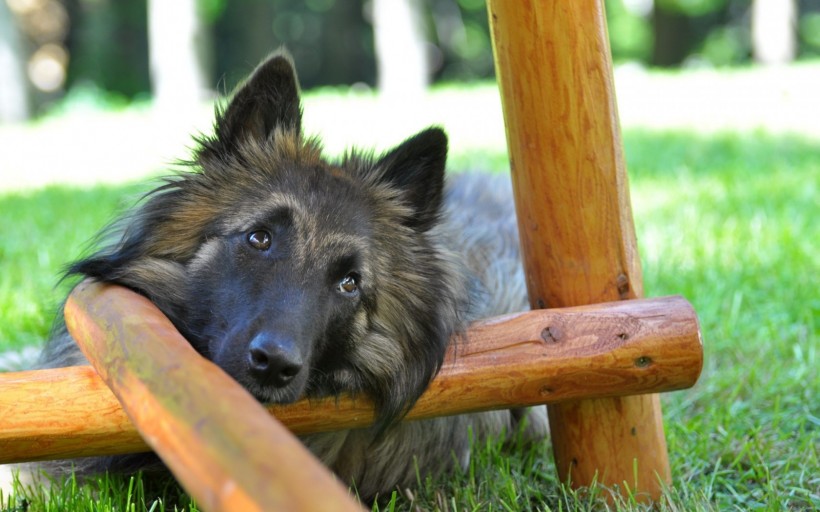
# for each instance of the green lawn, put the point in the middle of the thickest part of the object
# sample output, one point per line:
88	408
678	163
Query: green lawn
725	215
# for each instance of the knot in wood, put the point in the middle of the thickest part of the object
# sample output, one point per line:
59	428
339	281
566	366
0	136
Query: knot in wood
622	282
643	361
550	334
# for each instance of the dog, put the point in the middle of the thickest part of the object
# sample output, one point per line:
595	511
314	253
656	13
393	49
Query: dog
304	277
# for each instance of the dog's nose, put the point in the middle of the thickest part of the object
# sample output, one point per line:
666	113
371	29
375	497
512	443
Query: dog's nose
274	360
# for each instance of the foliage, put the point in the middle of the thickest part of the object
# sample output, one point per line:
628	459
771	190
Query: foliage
809	28
725	46
630	33
108	45
691	7
332	40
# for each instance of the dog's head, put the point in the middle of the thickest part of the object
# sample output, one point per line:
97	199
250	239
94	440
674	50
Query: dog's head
298	276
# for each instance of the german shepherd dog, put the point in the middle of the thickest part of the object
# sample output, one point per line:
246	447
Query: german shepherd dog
303	277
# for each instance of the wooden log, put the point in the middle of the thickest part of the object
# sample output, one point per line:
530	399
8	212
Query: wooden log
572	200
522	359
220	443
62	413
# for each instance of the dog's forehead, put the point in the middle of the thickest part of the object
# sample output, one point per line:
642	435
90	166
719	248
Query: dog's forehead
315	200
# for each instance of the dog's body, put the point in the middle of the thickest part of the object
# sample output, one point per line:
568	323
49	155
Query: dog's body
304	278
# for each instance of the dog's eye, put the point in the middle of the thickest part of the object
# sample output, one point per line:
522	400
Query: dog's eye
259	240
349	285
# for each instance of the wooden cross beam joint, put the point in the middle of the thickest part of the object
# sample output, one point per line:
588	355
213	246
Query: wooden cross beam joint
168	398
578	243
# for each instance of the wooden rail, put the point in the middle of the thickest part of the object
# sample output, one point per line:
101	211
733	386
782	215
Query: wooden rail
543	356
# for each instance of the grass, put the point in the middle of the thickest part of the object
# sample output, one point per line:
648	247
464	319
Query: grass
736	235
725	216
42	231
106	494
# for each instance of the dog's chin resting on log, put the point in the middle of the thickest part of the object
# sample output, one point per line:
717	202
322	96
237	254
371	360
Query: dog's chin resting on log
306	277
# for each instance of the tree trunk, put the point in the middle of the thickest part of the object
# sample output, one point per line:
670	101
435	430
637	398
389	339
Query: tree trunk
401	52
773	31
13	89
179	53
673	37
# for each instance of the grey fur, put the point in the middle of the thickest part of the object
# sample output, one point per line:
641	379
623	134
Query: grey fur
462	258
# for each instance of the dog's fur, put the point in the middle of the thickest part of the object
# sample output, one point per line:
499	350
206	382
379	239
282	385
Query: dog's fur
349	276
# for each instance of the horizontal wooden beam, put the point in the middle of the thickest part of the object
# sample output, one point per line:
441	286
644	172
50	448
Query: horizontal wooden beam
543	356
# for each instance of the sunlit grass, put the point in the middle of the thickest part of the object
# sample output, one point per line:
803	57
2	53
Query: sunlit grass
108	493
732	227
43	230
727	219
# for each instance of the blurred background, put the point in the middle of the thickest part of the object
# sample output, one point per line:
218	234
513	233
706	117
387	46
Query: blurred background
136	78
121	52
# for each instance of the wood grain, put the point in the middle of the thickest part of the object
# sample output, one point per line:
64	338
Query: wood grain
543	356
572	200
220	443
61	413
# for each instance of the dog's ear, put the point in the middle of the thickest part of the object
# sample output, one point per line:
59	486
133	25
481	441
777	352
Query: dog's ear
416	168
269	99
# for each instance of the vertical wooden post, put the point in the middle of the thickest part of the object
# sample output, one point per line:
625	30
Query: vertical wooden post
554	72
